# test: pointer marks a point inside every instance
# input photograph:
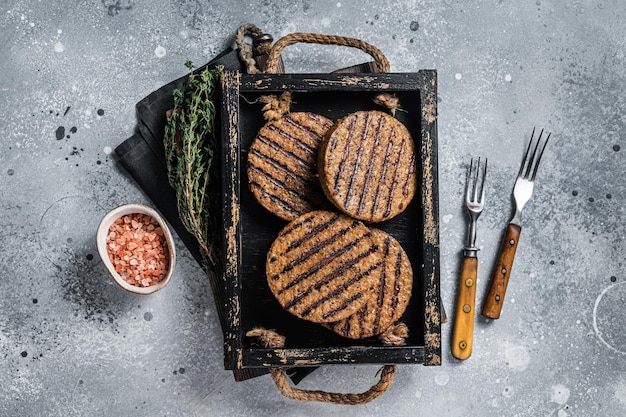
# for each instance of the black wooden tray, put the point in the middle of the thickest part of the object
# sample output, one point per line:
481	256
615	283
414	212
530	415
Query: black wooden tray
249	229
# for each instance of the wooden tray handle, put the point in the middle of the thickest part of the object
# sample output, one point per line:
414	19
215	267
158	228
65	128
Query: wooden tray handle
272	64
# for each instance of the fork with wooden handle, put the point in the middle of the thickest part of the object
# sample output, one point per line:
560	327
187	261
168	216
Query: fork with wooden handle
463	331
522	191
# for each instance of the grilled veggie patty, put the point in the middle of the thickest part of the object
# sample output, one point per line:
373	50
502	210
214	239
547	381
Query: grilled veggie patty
366	165
323	265
282	170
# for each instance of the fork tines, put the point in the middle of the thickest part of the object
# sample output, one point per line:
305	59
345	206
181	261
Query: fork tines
531	164
472	183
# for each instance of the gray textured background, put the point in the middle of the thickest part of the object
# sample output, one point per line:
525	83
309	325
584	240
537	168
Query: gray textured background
74	344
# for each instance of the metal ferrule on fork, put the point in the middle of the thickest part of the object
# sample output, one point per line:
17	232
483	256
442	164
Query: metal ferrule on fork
470	250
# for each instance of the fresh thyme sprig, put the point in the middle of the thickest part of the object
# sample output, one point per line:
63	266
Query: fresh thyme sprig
190	151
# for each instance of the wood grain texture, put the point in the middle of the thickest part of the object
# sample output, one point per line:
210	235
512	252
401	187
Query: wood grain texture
429	198
231	240
500	279
463	333
335	82
342	355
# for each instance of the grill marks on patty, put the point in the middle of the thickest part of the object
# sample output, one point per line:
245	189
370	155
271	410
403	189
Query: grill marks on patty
367	166
282	170
346	153
318	246
323	270
390	295
355	169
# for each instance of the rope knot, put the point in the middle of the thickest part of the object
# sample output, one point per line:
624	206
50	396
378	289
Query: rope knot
395	335
389	101
269	338
275	106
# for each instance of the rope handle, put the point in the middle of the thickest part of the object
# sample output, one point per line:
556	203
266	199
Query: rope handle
262	43
386	379
382	64
395	335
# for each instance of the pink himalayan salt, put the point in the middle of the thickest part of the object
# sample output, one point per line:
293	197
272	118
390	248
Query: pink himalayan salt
138	250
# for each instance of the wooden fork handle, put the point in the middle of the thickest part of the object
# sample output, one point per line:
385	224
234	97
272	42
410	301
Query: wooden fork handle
463	332
495	298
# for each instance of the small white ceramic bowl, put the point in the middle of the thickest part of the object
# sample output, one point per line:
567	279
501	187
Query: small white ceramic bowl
101	238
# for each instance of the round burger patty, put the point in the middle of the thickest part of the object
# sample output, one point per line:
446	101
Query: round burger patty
389	297
323	265
366	165
282	164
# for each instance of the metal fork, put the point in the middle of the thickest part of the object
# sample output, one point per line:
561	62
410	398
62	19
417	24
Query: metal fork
522	191
462	336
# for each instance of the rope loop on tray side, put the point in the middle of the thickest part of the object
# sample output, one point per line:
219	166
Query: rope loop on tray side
389	101
382	64
271	339
261	44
